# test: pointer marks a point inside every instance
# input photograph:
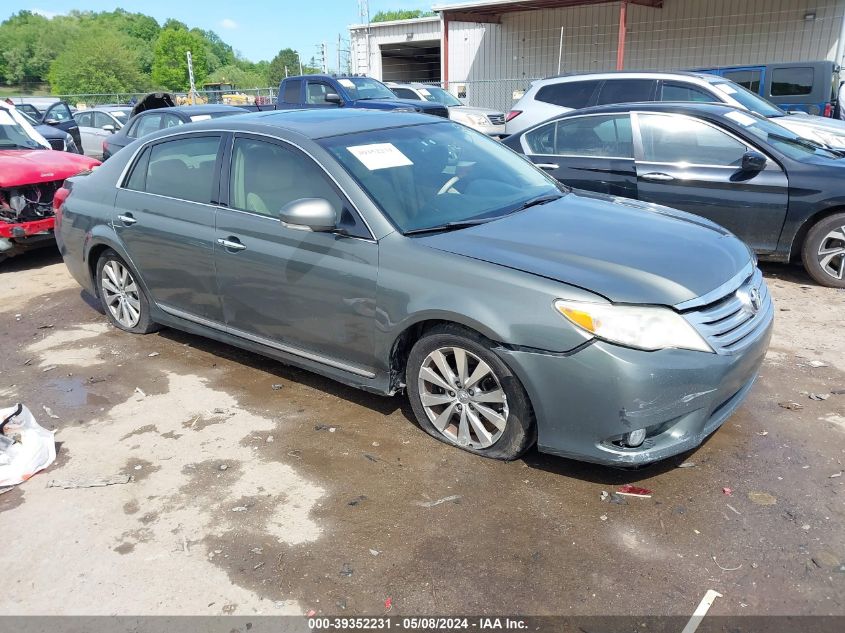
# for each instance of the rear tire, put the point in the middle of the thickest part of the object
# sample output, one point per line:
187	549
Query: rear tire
122	297
823	252
463	394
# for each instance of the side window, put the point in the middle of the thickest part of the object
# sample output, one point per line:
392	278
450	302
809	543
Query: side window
678	139
266	176
792	82
147	124
682	92
138	178
170	120
569	94
746	78
292	88
101	120
183	168
59	112
626	91
606	136
84	119
406	93
316	92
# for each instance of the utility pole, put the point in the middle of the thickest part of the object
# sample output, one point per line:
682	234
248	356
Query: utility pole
324	58
364	12
191	79
339	71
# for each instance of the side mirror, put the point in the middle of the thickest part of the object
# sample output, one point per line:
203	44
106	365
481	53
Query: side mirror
51	121
753	161
108	128
333	97
311	214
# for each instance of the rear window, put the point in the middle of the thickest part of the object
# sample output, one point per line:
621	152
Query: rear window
746	78
569	94
183	169
626	91
292	89
792	82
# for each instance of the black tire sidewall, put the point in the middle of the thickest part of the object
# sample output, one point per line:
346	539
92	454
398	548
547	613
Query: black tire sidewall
145	323
809	252
520	431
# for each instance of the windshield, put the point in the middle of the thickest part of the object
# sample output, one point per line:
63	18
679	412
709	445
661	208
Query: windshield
426	176
365	88
17	133
122	116
438	95
748	99
788	142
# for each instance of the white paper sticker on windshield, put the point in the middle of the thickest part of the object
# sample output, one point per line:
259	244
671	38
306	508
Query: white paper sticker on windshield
200	117
424	92
346	83
117	114
379	156
726	88
6	118
741	118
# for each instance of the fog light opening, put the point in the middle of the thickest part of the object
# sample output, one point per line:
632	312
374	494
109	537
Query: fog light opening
635	438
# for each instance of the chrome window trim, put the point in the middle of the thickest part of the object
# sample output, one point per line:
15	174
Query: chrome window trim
528	151
295	351
132	160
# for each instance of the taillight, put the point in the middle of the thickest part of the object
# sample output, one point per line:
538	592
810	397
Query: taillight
59	198
828	110
513	114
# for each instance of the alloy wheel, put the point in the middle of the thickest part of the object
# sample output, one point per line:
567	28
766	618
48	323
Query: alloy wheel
462	397
832	253
120	293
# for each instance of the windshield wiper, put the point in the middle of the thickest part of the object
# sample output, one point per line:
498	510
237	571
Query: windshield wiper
450	226
533	202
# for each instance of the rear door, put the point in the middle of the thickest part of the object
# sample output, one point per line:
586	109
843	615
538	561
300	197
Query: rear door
60	116
694	165
593	152
91	144
164	214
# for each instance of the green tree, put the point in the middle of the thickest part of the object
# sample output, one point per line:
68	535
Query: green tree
287	58
402	14
239	77
89	65
30	43
170	65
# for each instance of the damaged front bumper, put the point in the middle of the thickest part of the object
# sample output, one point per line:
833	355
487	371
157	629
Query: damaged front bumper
588	402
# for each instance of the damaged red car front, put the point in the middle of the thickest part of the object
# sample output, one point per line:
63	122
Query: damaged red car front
30	175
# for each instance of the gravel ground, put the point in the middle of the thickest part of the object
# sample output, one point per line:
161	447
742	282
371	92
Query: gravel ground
260	488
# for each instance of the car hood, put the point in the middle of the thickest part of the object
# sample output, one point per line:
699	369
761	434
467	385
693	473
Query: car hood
807	125
401	103
625	250
474	110
26	167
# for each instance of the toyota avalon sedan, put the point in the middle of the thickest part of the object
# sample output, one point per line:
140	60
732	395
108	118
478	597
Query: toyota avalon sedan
396	252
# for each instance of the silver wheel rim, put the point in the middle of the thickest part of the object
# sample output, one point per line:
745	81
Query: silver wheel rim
120	294
462	397
832	253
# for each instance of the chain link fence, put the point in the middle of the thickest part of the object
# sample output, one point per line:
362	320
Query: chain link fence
260	96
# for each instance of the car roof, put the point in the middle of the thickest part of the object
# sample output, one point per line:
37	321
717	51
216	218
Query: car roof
635	74
203	108
318	123
658	106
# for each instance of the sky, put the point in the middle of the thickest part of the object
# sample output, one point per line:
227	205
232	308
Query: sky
257	29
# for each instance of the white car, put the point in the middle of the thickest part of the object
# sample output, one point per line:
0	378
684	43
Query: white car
96	124
485	120
550	97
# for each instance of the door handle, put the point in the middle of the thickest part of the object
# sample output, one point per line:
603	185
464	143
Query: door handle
232	243
127	219
547	165
657	177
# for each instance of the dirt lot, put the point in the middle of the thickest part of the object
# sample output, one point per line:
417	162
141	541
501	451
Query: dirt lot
259	488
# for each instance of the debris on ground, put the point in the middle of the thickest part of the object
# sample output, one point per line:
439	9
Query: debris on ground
325	427
789	404
687	465
817	363
357	500
835	475
726	568
732	509
346	570
431	504
701	610
388	604
48	368
269	439
370	457
224	466
152	354
727	491
311	613
140	392
239	509
762	498
762	433
604	495
603	517
634	491
276	386
99	482
375	552
819	396
25	447
49	412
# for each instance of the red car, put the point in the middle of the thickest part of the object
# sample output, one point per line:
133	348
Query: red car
30	175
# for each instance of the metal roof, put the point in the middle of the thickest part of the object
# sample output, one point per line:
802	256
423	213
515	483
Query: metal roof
491	10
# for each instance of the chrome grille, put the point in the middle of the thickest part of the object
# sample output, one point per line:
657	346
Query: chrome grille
496	119
730	324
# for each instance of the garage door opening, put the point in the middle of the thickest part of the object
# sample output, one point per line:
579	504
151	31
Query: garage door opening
411	61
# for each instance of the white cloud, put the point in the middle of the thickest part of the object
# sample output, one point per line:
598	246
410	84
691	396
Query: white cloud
47	14
228	23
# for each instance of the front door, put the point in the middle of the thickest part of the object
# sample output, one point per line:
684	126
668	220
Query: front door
592	152
311	294
164	216
693	165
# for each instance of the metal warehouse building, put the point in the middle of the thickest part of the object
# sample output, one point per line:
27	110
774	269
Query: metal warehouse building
484	51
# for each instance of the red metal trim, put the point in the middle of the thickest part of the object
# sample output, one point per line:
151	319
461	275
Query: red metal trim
623	30
29	228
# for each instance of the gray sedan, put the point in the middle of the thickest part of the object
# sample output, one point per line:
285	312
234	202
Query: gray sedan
395	252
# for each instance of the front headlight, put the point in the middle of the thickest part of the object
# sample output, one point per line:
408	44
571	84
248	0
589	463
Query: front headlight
648	328
470	119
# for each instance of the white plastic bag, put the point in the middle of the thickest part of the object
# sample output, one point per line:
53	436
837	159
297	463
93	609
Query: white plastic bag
34	452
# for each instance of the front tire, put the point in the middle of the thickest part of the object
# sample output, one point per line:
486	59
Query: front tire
122	297
463	394
823	252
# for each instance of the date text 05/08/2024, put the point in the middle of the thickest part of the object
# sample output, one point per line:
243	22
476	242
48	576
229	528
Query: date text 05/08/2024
416	624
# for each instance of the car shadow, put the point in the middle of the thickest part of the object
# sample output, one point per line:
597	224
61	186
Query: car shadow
36	258
793	273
